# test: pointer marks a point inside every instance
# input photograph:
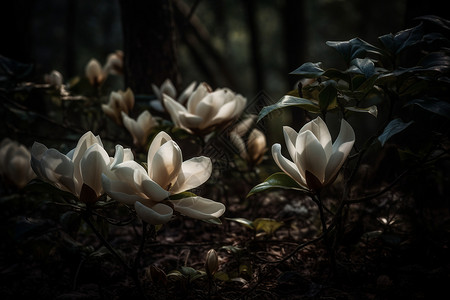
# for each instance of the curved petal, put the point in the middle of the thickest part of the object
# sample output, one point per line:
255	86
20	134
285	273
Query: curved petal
341	149
199	207
157	105
150	188
166	164
190	121
92	165
200	92
58	169
256	144
120	156
168	88
174	109
311	156
238	142
286	165
194	172
37	152
160	139
290	139
133	128
186	93
155	215
225	113
87	140
121	191
320	130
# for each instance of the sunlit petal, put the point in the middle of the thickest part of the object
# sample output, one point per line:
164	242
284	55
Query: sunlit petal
166	164
160	139
199	208
312	156
58	169
286	165
155	215
290	138
194	172
121	191
150	188
93	164
320	130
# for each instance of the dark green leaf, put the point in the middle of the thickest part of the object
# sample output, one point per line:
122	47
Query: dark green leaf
309	70
394	44
354	48
289	101
243	221
435	106
394	127
363	66
327	95
181	195
276	180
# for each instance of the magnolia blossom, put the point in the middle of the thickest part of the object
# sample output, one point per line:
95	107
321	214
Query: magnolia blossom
96	74
119	102
316	161
15	165
140	128
55	78
254	147
81	166
169	89
166	174
206	110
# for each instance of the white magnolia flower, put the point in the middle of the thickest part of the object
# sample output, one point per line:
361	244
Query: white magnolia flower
166	174
55	78
140	128
120	101
15	165
316	161
83	165
253	147
206	110
94	72
169	89
114	63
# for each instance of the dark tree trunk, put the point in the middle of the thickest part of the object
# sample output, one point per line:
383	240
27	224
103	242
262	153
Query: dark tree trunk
295	36
149	44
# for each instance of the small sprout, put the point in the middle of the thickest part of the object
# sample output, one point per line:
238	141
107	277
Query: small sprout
212	262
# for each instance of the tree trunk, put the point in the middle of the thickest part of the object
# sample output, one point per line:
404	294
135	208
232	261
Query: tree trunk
149	44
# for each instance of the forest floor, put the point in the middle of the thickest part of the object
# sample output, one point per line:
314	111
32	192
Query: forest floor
388	249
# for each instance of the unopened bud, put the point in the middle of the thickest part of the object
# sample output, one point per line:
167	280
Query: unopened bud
212	262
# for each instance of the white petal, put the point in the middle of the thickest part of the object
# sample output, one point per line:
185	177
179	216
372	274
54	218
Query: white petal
168	88
194	172
225	113
121	191
341	149
160	139
238	142
190	121
166	164
320	129
199	208
58	169
256	144
200	92
174	109
186	93
150	188
311	155
290	139
286	165
157	105
87	140
37	151
93	164
155	215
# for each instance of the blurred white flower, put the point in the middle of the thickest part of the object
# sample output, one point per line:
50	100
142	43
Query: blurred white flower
166	174
81	166
169	89
316	161
206	110
55	78
15	165
120	101
252	147
114	63
140	128
94	72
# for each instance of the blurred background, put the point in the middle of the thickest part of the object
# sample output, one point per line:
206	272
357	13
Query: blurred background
248	46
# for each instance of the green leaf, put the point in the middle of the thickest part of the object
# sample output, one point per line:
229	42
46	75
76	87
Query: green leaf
327	96
309	70
182	195
363	66
244	221
435	106
354	48
394	127
289	101
394	44
267	225
373	110
215	221
277	180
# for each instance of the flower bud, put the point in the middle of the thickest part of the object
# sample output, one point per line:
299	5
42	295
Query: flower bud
212	262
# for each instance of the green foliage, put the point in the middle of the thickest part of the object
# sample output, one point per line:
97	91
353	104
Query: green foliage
276	180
